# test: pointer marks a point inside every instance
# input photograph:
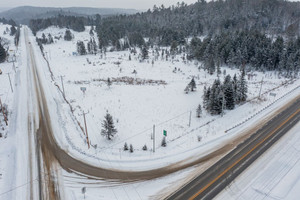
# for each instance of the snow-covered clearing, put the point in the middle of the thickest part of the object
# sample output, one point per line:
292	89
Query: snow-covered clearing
137	107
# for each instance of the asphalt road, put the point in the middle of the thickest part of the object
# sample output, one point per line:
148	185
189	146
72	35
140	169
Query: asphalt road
208	184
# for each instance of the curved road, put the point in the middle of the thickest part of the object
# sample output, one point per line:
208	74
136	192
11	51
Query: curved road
53	154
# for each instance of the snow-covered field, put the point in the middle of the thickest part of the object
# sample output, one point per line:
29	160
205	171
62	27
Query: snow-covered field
137	107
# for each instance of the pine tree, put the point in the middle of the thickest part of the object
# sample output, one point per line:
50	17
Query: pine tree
235	89
44	39
131	148
242	87
125	148
199	111
2	53
206	97
145	53
68	35
50	39
215	98
192	84
228	93
108	128
145	148
13	30
81	48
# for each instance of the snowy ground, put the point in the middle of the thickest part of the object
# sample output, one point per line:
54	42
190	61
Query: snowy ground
275	175
136	108
13	143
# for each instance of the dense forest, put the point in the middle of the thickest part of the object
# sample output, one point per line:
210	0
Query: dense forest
261	33
201	18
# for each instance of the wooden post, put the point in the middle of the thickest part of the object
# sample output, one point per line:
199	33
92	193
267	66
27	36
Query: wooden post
153	138
10	83
86	133
14	67
190	118
260	87
4	115
62	84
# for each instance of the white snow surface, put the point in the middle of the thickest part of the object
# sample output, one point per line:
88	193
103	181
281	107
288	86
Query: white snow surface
14	164
136	108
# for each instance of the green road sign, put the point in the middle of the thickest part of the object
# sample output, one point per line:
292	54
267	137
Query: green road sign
165	133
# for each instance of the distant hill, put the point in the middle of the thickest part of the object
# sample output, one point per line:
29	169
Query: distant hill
23	14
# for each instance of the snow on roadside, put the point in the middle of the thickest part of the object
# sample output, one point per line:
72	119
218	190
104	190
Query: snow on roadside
13	146
274	175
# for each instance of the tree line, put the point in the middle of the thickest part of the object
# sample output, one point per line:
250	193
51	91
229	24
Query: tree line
62	21
247	48
164	25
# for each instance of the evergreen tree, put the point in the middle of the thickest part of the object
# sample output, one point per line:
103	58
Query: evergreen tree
13	30
125	147
216	98
145	53
68	35
50	39
81	48
242	87
206	97
235	88
108	128
228	93
44	39
2	54
173	48
131	148
145	148
199	111
192	84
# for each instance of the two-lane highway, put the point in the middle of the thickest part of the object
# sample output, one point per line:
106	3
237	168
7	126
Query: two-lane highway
217	177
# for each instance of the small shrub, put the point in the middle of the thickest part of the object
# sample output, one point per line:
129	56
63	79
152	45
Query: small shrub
125	147
131	148
145	148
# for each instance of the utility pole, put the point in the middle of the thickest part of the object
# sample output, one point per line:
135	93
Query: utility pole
190	118
14	67
4	115
62	84
10	83
86	133
153	138
260	87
